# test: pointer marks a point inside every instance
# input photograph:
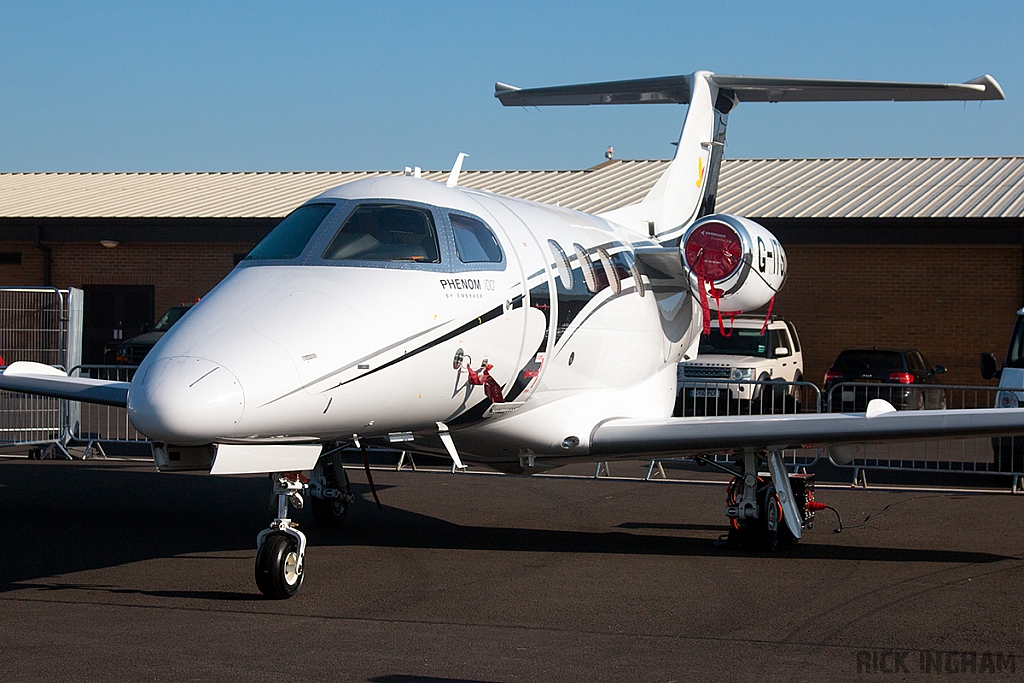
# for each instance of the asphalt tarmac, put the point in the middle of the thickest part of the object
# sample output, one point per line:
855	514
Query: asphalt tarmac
111	570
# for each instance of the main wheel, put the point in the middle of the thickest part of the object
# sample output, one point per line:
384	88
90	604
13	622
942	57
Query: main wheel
766	526
328	512
277	566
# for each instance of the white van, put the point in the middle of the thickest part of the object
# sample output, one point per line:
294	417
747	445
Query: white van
1008	451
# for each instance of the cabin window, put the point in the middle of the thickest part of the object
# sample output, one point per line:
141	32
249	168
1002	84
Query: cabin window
289	238
587	266
625	266
385	232
611	276
474	241
562	264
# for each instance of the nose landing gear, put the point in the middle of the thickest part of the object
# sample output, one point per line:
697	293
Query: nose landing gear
282	547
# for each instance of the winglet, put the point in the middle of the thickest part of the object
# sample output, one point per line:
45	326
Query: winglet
453	177
501	88
991	86
21	368
878	406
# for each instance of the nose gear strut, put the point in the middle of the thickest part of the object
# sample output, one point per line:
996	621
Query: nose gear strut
281	548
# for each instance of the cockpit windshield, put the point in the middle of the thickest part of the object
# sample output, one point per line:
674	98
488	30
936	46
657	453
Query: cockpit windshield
385	232
289	238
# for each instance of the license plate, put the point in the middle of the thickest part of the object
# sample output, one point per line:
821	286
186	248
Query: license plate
704	393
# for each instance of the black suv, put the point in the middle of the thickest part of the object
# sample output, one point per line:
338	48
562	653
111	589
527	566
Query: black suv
859	375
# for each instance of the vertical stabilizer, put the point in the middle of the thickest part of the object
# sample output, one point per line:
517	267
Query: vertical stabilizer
678	196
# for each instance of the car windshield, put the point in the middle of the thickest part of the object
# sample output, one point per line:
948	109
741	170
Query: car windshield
739	343
870	360
169	318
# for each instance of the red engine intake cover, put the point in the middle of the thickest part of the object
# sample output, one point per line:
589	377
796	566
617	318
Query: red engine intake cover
713	251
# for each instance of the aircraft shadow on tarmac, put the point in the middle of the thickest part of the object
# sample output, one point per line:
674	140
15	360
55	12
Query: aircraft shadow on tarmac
399	678
70	517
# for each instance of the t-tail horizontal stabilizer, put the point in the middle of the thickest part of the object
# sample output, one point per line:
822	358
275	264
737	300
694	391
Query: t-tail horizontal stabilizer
688	188
677	89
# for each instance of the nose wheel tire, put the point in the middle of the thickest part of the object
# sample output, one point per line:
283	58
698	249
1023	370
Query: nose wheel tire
278	566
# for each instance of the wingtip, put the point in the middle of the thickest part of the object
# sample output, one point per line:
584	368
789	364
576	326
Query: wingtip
993	90
501	88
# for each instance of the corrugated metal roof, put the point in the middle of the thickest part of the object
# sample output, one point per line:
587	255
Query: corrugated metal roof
972	187
759	188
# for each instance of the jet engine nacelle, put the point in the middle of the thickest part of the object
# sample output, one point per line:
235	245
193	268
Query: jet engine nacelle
735	264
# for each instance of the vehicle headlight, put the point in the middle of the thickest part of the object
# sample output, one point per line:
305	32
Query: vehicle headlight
1007	399
746	374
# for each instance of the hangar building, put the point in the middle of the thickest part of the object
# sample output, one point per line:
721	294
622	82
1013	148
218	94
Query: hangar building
925	253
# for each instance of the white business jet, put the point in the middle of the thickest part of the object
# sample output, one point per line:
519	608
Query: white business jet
494	330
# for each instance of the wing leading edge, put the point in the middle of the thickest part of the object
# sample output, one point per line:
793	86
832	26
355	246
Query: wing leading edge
692	435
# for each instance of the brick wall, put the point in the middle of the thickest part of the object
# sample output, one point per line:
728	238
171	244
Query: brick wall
950	302
179	272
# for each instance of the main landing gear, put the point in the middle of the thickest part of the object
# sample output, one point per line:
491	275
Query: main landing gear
329	493
764	512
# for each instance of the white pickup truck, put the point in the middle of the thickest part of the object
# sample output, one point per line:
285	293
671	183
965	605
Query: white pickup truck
715	382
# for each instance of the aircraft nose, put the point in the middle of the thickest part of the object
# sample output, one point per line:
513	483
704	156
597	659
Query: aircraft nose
185	400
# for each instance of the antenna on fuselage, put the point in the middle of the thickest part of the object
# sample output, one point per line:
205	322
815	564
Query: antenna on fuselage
453	177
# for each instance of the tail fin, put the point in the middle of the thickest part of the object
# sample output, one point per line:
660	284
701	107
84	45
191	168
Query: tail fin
688	188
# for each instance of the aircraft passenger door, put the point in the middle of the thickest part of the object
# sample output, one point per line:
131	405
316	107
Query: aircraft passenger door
532	299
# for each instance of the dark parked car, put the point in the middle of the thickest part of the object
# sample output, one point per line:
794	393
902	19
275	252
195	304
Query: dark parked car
899	377
132	351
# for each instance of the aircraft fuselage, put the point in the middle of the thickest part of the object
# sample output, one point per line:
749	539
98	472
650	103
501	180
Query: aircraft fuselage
325	341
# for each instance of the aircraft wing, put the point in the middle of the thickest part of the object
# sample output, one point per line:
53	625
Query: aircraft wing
752	433
42	380
676	90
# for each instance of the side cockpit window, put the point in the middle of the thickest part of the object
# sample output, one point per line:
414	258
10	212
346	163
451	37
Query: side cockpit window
474	241
386	232
289	238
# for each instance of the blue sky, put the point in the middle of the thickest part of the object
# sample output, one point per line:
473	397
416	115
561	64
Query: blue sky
251	86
